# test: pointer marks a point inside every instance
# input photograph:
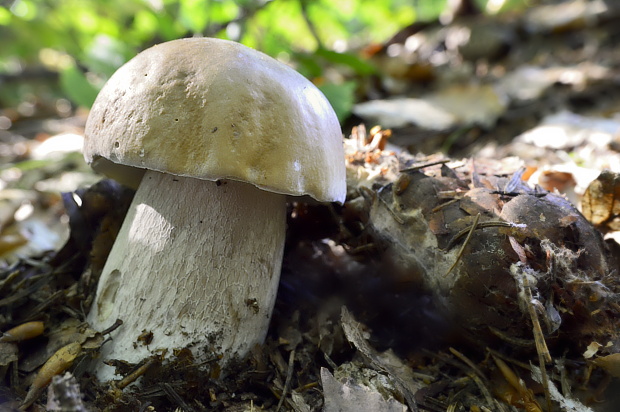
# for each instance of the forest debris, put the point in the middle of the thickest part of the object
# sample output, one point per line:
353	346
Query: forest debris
397	372
298	403
370	166
611	364
287	382
561	291
566	151
565	130
601	201
591	350
8	354
348	394
448	108
565	402
568	15
401	112
524	396
134	375
57	147
462	249
563	179
522	276
22	332
64	395
456	100
529	83
58	363
30	224
477	39
68	332
564	256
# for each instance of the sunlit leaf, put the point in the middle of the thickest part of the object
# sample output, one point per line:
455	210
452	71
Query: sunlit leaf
5	16
194	15
24	9
360	66
144	24
77	87
106	54
341	97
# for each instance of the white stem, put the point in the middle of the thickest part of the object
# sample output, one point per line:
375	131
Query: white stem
197	263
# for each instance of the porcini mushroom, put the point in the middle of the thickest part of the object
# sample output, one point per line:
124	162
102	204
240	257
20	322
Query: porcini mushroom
214	135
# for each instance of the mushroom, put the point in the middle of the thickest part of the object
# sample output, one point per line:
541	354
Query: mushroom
214	136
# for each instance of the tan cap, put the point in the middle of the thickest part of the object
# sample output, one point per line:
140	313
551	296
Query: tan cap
214	109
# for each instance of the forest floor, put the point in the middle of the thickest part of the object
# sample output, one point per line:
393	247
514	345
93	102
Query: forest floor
515	106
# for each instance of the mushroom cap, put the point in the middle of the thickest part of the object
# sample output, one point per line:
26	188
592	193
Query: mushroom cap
215	109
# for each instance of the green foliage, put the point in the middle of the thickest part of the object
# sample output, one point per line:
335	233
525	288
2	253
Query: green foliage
100	35
341	96
77	87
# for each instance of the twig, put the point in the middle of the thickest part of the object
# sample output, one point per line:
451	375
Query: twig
460	254
467	361
492	223
544	356
360	249
304	13
287	382
171	393
486	392
337	217
129	379
505	358
367	193
524	343
541	345
441	206
35	312
112	328
517	384
423	165
392	212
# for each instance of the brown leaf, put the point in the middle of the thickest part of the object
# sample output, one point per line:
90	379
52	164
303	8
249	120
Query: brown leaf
611	363
601	201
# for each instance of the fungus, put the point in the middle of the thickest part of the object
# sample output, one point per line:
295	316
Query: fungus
214	136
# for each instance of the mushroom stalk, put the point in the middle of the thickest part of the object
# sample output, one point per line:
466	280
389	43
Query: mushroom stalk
197	264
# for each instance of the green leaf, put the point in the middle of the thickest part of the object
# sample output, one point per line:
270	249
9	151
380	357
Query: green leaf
77	87
360	66
308	65
194	15
341	96
105	54
5	16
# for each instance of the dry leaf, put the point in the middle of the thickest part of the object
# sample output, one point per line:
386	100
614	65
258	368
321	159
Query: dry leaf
601	202
611	364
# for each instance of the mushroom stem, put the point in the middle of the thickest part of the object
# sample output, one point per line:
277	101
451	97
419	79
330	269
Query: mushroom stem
197	264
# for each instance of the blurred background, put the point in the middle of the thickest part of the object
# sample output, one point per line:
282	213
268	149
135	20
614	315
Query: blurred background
56	54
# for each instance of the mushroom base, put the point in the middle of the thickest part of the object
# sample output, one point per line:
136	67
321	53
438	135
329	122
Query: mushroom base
197	264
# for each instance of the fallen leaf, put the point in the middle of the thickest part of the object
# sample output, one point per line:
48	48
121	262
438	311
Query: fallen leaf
348	396
611	364
601	201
